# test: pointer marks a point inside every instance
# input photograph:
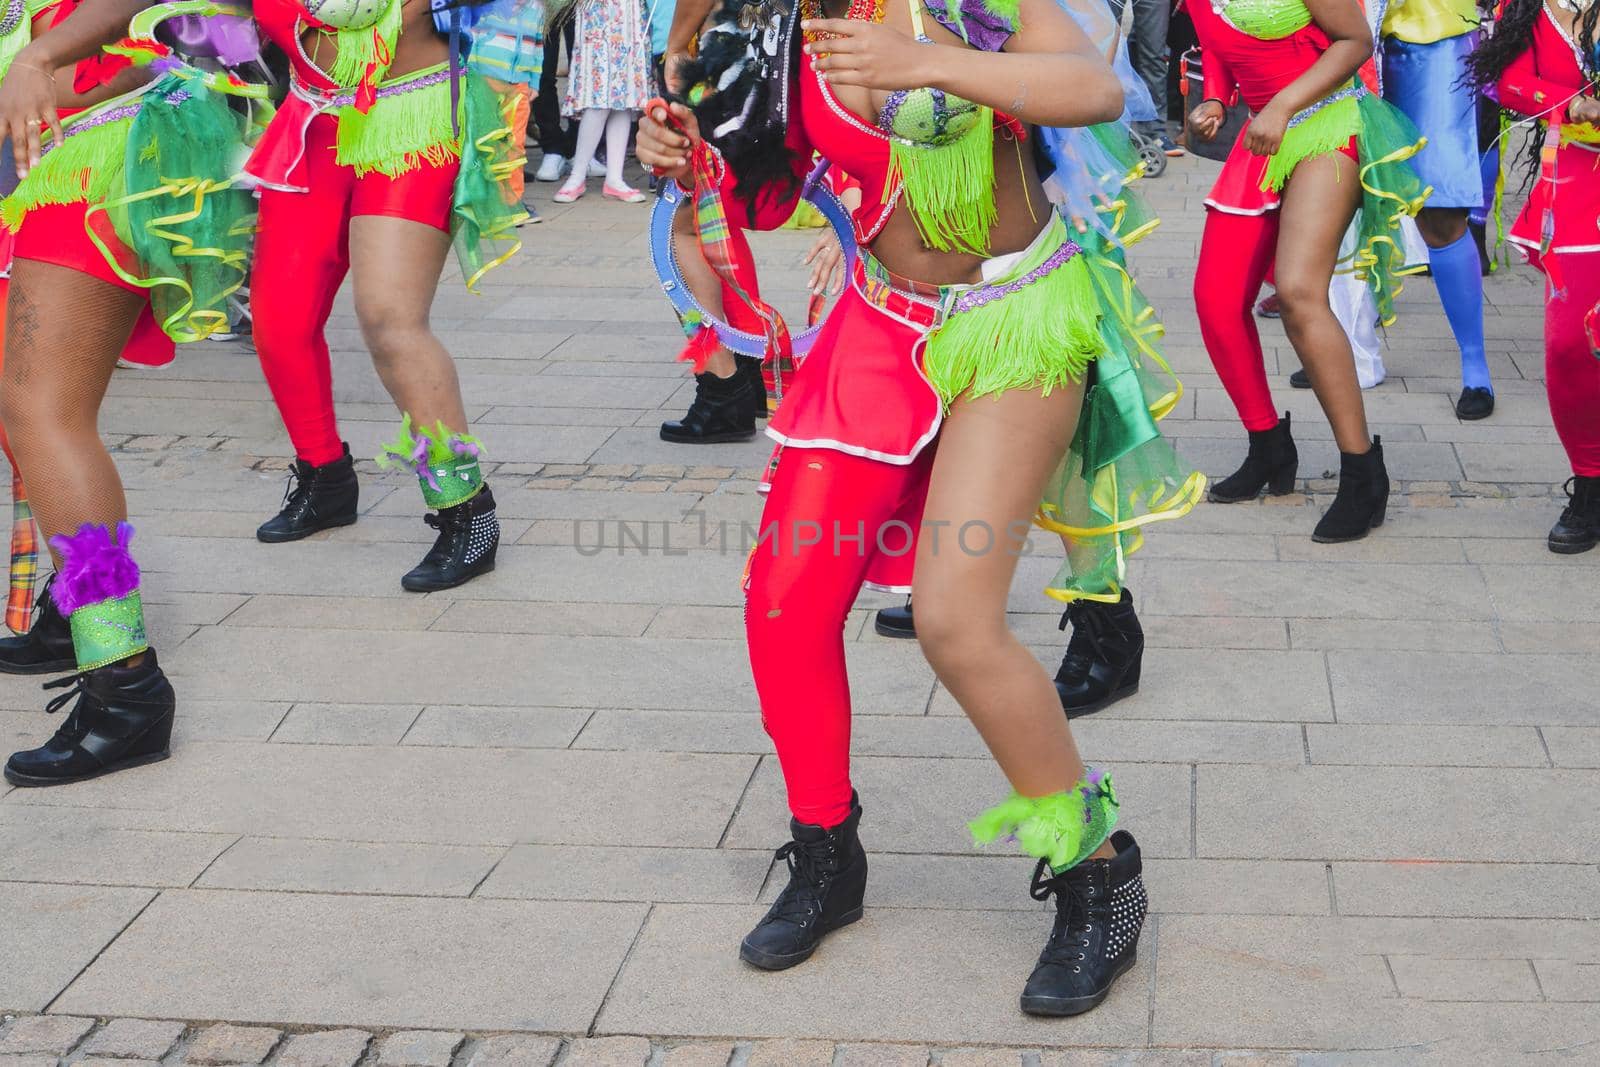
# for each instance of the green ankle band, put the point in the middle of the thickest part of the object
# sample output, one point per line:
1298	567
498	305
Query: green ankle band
108	632
1063	829
444	485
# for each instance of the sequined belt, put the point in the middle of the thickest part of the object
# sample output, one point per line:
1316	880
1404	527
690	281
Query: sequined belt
115	110
1349	92
927	305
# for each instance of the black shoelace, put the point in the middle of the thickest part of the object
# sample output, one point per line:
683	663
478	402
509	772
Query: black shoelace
1088	641
1069	937
801	900
72	726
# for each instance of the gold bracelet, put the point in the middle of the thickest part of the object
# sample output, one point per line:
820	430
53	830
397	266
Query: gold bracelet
41	70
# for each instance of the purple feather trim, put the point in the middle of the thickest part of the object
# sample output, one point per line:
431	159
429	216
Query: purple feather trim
94	567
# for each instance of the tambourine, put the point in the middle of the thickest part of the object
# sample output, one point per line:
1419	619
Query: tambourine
665	257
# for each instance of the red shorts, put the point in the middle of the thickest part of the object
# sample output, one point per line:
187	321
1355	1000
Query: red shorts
422	195
1238	191
55	234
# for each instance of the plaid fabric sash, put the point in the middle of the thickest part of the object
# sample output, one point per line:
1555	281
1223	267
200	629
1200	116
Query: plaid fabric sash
714	229
24	560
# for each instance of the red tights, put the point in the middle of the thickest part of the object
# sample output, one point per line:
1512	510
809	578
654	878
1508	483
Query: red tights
830	520
1571	371
1236	252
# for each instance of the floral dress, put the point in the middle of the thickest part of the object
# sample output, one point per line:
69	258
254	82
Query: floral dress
610	57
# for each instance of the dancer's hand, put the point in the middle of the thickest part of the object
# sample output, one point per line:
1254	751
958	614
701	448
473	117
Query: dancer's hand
1584	109
672	71
1207	118
667	134
827	266
1264	135
869	54
27	108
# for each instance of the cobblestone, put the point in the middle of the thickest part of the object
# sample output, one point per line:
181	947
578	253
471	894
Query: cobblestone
229	1044
698	1054
419	1048
791	1054
514	1050
328	1048
607	1052
53	1034
144	1039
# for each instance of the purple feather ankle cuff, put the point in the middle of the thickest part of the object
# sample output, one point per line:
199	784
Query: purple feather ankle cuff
95	566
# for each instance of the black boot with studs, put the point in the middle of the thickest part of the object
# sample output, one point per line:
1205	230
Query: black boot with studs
469	535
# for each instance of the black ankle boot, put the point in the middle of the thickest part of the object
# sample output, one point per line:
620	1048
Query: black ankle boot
469	535
123	719
896	622
1271	463
318	498
827	881
721	411
1100	907
1578	529
750	369
1103	658
1363	496
47	646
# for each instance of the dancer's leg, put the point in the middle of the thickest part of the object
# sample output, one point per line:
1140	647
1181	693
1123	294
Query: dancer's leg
995	455
1572	373
1236	254
1317	206
591	124
618	123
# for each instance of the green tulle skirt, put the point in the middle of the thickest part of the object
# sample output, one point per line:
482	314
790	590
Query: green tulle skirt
161	166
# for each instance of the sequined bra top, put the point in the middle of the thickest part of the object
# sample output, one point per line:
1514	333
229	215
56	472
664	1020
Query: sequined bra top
1266	20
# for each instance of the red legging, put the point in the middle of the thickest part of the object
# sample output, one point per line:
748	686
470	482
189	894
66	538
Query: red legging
1236	252
302	255
829	518
1571	370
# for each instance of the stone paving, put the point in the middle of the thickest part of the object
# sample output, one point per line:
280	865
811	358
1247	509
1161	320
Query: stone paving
534	815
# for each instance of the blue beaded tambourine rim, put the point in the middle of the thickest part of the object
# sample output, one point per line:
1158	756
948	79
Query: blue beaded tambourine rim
665	258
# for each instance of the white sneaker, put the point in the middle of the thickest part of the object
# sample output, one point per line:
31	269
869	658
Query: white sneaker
550	167
597	169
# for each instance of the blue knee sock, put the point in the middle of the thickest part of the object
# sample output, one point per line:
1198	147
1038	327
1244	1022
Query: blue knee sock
1459	276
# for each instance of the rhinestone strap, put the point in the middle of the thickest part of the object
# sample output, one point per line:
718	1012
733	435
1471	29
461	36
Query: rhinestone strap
1352	92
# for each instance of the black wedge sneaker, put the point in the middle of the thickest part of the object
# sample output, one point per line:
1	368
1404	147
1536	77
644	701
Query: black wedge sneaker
47	646
1363	498
1578	529
318	498
1100	908
750	369
896	622
1271	464
1103	657
722	410
827	883
469	536
123	718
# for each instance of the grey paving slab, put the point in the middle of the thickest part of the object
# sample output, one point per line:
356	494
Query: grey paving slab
54	931
1401	813
45	845
1396	635
419	1048
469	727
1426	746
514	1050
226	1043
1573	746
1402	888
684	977
144	1039
680	875
53	1034
473	796
273	863
326	1048
346	724
367	961
1444	687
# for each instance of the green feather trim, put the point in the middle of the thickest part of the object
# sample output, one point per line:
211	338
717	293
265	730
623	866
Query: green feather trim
440	439
359	49
1322	132
400	133
1041	336
950	188
83	168
1010	10
1063	829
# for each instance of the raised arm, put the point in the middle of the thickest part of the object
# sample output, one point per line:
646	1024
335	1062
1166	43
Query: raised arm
687	19
1048	75
28	93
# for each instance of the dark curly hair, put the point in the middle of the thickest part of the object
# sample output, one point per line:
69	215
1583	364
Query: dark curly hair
732	78
1513	30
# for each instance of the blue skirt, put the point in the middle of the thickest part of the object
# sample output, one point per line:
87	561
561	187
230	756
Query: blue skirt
1424	81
